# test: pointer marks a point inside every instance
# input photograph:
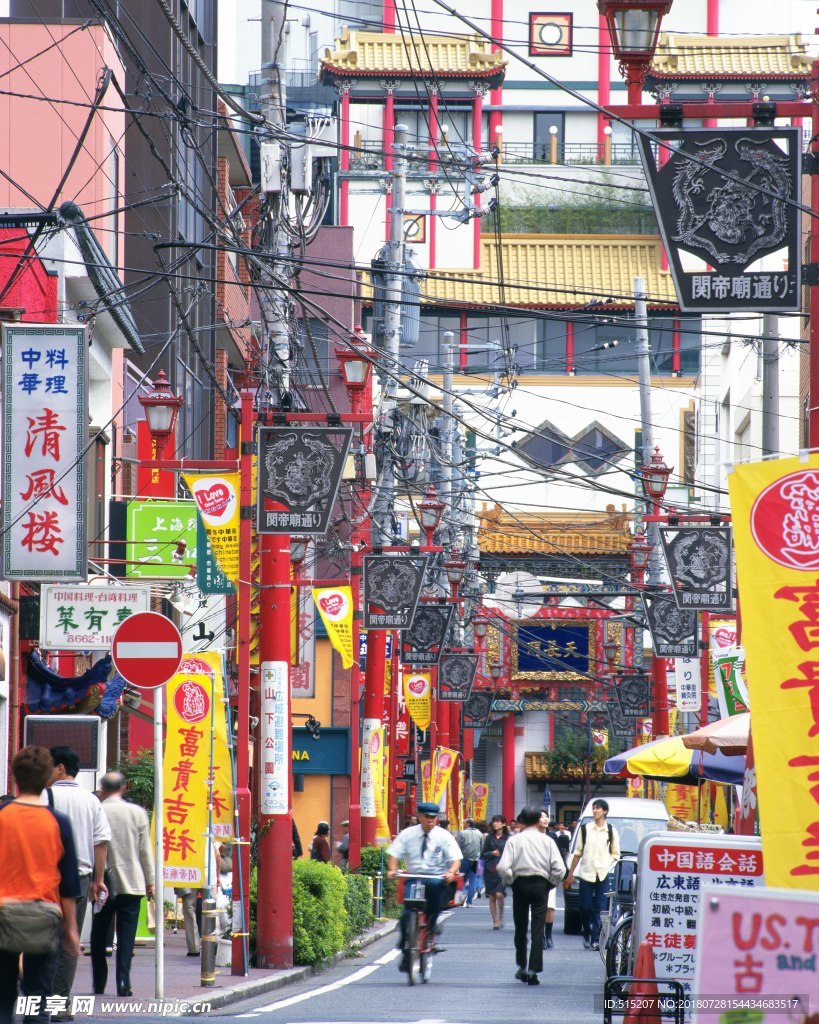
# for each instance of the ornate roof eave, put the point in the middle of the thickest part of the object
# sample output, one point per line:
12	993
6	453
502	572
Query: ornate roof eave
658	77
329	75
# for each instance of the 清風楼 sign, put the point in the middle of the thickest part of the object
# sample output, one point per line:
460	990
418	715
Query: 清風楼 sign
776	533
85	617
45	423
672	867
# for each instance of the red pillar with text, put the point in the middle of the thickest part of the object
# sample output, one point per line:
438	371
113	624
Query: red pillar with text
374	673
508	767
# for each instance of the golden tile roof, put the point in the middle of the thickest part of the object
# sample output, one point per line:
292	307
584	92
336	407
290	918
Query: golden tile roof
536	767
576	533
557	270
399	55
757	57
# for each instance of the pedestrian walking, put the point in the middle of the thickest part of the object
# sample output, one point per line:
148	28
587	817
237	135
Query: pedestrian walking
470	841
39	865
491	854
563	840
130	872
192	900
597	851
91	833
320	846
342	854
531	864
551	903
296	847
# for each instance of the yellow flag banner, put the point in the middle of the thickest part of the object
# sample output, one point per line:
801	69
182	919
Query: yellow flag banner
426	779
776	536
205	663
443	765
217	500
186	767
382	831
335	606
417	689
478	800
451	809
681	801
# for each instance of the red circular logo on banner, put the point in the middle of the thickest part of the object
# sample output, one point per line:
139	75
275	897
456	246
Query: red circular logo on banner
785	521
375	742
192	702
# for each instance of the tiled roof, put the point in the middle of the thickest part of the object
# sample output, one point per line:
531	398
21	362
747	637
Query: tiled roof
746	57
558	270
527	533
402	55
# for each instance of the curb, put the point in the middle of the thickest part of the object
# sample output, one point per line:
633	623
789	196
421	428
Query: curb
258	986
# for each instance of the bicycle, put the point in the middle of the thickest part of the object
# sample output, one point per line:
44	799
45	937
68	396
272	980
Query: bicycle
615	946
419	944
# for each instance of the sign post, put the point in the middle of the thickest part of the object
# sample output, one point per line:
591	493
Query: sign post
147	652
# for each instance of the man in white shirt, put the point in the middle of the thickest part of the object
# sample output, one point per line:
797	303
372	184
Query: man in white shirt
531	863
91	833
427	849
597	851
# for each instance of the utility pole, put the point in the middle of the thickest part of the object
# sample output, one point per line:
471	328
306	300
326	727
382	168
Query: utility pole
274	910
658	673
770	385
376	665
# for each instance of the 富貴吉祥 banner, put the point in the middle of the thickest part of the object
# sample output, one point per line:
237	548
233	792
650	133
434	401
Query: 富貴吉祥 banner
776	533
335	606
443	762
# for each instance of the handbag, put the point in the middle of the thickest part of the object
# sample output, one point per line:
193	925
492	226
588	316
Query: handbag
29	926
150	914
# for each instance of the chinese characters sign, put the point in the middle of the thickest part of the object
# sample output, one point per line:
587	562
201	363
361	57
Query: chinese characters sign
417	688
275	738
673	630
161	540
85	618
299	473
700	566
45	426
688	674
423	642
672	868
456	674
335	606
217	500
725	199
392	587
756	945
776	530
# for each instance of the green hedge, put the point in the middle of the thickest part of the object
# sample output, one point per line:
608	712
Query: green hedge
358	902
319	911
374	862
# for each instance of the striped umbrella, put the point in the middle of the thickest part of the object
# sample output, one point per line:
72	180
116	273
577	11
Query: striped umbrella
668	760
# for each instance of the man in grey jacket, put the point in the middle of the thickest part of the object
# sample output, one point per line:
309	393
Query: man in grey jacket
130	873
532	864
470	841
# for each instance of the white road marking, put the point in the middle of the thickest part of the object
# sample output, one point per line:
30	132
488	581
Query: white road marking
388	958
323	990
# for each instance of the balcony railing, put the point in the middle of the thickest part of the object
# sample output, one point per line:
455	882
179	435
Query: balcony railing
567	153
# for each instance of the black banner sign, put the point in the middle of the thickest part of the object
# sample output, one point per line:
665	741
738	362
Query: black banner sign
299	474
409	771
456	674
674	631
392	587
699	560
633	695
424	641
621	726
729	206
477	709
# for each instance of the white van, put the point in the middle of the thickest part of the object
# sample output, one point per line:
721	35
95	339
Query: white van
633	818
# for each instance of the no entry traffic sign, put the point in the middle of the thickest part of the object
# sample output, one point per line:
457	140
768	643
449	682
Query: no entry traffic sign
147	650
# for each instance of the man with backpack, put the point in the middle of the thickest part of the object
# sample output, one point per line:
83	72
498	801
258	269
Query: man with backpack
597	851
470	841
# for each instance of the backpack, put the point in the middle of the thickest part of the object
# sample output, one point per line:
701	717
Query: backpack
611	835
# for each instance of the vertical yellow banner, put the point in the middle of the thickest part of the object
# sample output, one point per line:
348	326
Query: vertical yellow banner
443	766
478	800
426	779
335	606
775	508
417	688
217	500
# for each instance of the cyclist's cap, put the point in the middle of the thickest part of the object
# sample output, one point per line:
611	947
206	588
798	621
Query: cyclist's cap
429	808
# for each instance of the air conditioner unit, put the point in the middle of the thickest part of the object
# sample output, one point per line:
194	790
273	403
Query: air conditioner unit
87	734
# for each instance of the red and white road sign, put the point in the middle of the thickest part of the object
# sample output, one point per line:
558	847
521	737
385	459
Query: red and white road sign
147	650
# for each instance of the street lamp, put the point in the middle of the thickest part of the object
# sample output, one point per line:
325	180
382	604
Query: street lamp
298	550
655	477
634	26
480	625
161	406
455	569
356	364
639	552
495	671
431	508
610	650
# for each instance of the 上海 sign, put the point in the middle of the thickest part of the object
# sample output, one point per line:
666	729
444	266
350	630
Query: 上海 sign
422	643
726	198
86	617
700	564
161	539
45	425
392	587
673	630
299	473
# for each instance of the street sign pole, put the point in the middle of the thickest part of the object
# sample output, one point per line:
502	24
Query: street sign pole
147	652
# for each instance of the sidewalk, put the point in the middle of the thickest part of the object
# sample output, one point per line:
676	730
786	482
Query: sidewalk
182	975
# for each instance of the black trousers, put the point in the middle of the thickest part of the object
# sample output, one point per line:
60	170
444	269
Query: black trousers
529	893
126	909
37	979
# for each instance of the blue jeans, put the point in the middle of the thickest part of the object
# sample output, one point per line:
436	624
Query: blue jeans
469	868
592	901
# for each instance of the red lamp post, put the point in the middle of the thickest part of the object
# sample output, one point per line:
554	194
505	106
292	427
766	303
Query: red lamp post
356	362
634	26
654	477
161	406
431	508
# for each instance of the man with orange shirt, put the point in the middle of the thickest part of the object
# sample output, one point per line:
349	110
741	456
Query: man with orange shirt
39	863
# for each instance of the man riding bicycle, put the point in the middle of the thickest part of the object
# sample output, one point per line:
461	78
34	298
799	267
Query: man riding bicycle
427	850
